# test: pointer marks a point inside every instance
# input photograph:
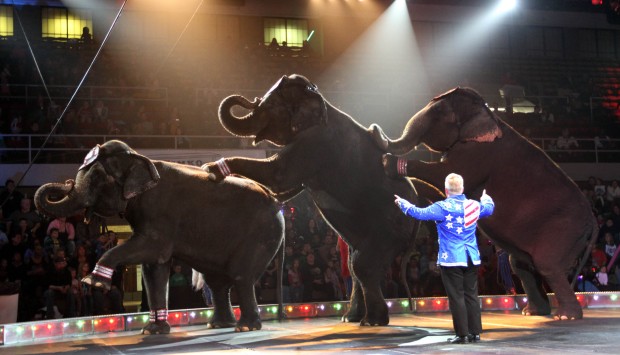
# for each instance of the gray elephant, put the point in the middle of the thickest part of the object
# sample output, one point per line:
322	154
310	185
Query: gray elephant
541	217
229	232
332	157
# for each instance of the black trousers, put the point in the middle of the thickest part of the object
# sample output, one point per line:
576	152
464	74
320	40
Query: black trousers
461	284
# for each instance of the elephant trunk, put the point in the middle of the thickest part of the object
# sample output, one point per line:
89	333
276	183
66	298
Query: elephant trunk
245	126
410	138
71	200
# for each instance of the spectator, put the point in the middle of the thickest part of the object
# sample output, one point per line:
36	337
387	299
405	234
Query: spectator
101	244
333	281
613	192
86	292
15	246
59	287
10	199
598	257
295	281
17	268
52	243
178	279
22	228
26	212
602	278
608	227
3	239
268	280
312	276
66	233
610	245
566	141
343	248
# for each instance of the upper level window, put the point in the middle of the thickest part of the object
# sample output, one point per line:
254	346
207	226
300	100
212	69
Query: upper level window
58	22
291	31
6	20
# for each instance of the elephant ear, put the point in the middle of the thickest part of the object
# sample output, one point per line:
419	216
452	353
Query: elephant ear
481	126
141	176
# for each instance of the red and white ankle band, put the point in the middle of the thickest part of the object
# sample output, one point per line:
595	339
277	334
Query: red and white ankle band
401	166
162	314
224	169
103	271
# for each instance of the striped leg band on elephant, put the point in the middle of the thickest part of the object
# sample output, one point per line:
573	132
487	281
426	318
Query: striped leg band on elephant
162	314
103	271
152	316
224	169
401	166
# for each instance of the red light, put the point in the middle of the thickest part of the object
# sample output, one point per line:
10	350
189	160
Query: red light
438	301
505	300
111	320
597	2
176	315
49	326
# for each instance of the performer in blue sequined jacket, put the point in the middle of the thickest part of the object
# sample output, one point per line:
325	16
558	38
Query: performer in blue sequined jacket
456	218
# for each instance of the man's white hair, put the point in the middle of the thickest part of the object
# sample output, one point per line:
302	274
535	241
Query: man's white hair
454	184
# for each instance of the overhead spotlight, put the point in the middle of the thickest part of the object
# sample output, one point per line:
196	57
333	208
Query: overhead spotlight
507	5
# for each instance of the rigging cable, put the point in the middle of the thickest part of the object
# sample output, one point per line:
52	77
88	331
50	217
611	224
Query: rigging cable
77	89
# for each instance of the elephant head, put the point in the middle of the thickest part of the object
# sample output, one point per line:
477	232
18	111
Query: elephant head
111	174
291	106
459	115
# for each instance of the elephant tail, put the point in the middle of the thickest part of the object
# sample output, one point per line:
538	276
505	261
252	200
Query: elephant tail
587	251
279	277
198	280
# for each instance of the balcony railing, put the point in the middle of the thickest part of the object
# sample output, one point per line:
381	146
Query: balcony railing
22	148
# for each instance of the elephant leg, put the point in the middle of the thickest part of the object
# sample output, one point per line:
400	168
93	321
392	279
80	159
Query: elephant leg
249	319
136	250
537	300
357	304
370	269
568	306
223	316
156	282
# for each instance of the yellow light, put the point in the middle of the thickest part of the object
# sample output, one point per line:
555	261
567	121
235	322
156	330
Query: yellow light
422	303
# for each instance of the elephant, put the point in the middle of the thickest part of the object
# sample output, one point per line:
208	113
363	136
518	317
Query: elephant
328	154
228	232
541	217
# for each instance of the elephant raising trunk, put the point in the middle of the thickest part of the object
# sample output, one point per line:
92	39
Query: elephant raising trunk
410	138
245	126
71	202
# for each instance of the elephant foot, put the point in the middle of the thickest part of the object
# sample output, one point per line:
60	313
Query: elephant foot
222	322
352	317
531	310
375	322
158	327
568	313
246	325
97	281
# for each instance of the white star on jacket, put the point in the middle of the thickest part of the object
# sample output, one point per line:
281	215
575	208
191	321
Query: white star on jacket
449	217
459	230
444	256
459	220
449	225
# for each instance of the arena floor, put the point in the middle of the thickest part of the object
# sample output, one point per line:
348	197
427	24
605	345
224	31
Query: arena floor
505	332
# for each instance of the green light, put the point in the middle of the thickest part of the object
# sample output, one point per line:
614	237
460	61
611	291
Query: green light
274	309
80	323
145	318
613	297
19	330
209	313
405	303
337	306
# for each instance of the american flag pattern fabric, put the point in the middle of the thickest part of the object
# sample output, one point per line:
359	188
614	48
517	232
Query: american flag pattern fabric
456	219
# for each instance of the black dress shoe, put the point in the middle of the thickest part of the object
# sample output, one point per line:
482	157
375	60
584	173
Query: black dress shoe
458	340
473	338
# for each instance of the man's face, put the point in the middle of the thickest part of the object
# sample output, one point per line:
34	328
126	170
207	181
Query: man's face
25	205
59	264
54	234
